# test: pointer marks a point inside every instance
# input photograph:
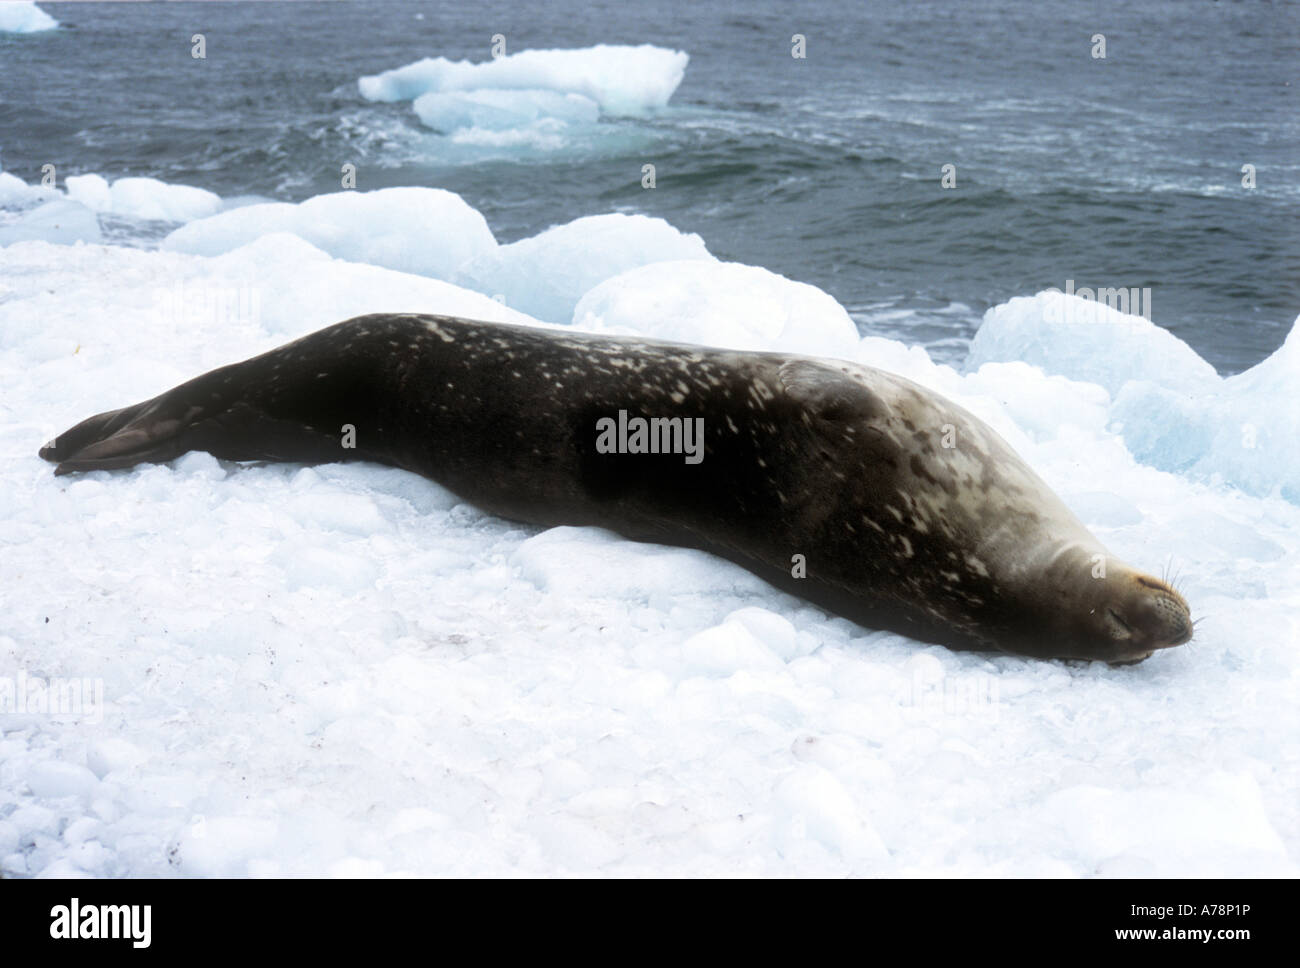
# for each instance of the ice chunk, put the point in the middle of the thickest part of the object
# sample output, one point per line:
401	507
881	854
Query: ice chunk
327	290
723	304
427	231
622	80
144	198
59	221
16	193
821	808
1172	409
1086	340
494	110
1241	430
56	778
547	274
725	649
24	18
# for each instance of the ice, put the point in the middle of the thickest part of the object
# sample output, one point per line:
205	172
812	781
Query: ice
17	17
16	193
1223	822
347	670
723	304
1242	431
143	198
54	779
58	220
724	650
545	275
823	810
1172	410
35	212
426	231
493	110
1086	340
622	80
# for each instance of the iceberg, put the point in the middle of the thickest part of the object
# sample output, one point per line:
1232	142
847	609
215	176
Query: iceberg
621	80
24	18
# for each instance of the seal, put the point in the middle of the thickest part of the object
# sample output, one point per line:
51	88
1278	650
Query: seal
849	486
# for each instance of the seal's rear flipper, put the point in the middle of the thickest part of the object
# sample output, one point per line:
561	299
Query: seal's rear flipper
118	438
190	417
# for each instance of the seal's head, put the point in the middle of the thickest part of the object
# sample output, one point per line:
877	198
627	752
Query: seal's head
1134	615
1100	608
937	515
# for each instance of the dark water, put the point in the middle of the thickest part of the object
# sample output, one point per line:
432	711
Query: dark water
1117	172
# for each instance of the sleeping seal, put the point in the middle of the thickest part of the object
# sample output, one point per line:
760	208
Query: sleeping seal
846	485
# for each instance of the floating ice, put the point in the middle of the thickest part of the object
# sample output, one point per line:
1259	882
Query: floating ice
18	17
494	110
426	231
622	80
144	198
545	275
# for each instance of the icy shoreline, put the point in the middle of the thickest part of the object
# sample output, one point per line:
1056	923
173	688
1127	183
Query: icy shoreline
347	670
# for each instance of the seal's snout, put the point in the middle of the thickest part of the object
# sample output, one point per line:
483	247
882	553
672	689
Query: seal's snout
1149	615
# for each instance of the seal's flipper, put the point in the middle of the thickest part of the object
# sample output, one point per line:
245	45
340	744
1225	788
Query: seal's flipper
204	414
119	438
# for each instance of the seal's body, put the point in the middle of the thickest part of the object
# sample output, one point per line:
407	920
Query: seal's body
843	484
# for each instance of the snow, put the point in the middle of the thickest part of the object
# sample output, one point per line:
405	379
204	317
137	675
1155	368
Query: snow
24	18
346	670
620	80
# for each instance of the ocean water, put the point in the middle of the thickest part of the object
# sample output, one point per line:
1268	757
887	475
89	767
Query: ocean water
1120	172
